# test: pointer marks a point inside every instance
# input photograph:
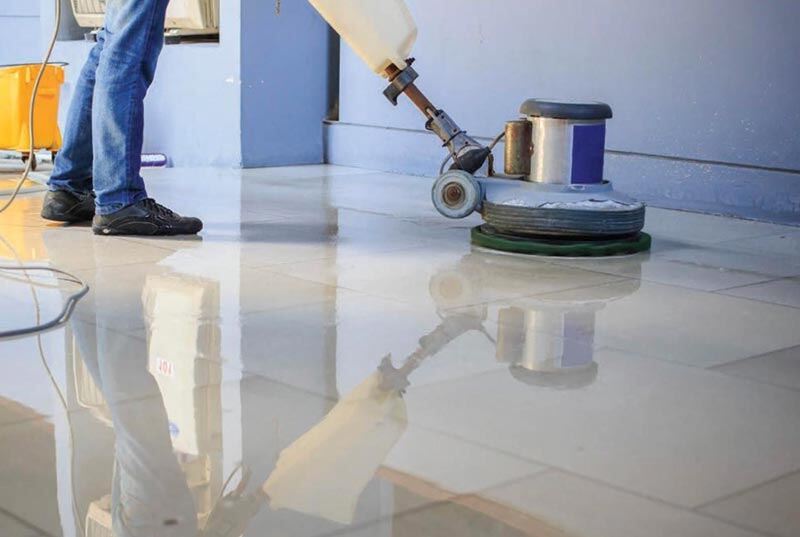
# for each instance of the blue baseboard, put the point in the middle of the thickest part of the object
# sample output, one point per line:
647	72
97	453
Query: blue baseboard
714	188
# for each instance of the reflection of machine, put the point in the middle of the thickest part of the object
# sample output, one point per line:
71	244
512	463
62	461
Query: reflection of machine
553	198
547	341
184	358
548	344
326	470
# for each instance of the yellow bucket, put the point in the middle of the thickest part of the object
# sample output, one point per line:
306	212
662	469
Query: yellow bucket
16	87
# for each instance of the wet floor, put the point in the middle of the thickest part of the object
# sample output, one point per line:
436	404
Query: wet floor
331	357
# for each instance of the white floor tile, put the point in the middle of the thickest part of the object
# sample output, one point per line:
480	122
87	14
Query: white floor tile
697	228
451	464
785	292
692	327
410	275
329	324
582	507
781	368
680	434
771	508
782	243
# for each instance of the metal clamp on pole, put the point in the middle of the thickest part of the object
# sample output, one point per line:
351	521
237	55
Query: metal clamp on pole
399	83
468	154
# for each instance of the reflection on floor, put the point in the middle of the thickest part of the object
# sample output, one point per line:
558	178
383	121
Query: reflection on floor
333	358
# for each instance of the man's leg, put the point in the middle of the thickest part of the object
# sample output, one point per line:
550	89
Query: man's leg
134	39
70	198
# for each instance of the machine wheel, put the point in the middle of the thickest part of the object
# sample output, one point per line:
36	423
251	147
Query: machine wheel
450	289
32	157
457	194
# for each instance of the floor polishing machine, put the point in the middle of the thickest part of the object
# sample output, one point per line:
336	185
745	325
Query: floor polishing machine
552	197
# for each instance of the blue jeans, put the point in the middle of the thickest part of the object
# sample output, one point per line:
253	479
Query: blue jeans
103	137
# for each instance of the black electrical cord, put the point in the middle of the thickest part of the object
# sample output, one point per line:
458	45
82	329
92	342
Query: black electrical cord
66	311
64	316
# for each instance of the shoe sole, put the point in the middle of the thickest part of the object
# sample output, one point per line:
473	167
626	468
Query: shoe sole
138	231
132	229
65	218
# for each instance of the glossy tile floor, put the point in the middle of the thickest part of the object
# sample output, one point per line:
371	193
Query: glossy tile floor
333	358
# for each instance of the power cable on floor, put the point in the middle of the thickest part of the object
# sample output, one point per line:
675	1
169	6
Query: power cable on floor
66	310
70	305
72	300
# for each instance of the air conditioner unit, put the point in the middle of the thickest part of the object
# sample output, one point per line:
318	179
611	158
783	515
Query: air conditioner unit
197	16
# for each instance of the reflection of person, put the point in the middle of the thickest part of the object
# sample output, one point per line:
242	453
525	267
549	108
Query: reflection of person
97	172
149	493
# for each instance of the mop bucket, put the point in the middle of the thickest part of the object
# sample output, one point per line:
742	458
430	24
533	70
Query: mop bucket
16	88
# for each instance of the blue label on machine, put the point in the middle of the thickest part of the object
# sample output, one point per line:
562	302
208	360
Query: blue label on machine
588	153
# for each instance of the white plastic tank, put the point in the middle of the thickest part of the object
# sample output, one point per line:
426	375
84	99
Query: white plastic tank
381	32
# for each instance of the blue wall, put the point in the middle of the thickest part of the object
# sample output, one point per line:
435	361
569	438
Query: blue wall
284	83
256	98
19	31
192	112
704	92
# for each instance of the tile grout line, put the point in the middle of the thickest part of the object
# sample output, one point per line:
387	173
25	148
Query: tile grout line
743	527
553	470
712	368
654	358
433	504
461	496
559	468
691	289
21	521
325	258
788	306
763	355
757	300
548	468
494	302
777	279
768	278
746	490
678	507
685	508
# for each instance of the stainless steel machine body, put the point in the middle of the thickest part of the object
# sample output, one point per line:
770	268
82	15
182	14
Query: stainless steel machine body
554	183
568	141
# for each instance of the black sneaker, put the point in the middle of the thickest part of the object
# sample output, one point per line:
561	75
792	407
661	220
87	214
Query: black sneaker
63	206
145	217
